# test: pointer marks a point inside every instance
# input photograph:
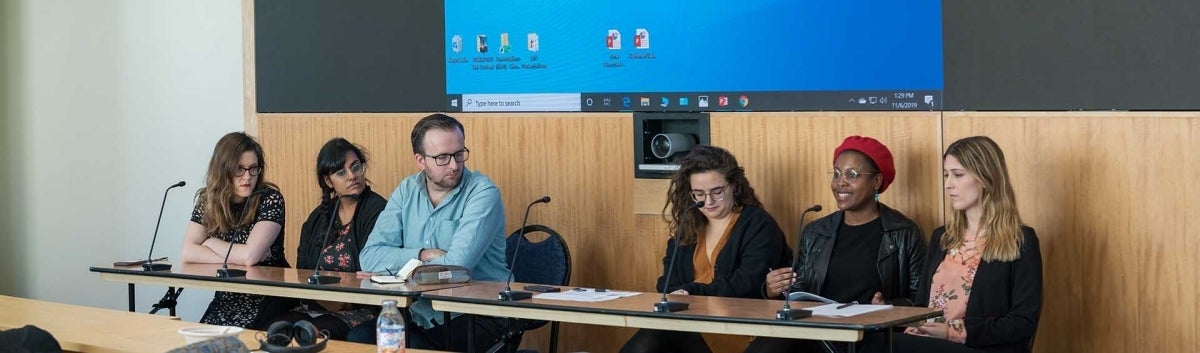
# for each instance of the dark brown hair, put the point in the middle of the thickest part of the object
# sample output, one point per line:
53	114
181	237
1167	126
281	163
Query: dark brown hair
703	159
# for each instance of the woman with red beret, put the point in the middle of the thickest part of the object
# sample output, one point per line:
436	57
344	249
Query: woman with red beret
864	252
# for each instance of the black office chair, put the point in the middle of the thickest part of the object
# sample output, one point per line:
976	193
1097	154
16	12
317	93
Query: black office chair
542	262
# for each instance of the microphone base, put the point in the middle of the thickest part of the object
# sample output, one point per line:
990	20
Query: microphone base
513	295
230	273
155	267
319	279
670	307
791	314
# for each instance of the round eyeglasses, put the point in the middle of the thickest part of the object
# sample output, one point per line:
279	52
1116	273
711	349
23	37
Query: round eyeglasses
356	168
849	175
717	194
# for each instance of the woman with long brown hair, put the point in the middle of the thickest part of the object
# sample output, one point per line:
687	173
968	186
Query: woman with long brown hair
725	244
984	269
234	184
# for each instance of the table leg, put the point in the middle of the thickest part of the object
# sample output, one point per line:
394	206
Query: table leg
446	320
891	349
470	332
132	305
851	348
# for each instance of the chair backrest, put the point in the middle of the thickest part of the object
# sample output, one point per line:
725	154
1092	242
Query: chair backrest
544	262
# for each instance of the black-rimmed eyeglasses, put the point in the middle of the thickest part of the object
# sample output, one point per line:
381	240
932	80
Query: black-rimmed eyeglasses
444	159
240	170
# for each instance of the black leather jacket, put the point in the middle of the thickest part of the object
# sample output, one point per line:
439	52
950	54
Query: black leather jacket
901	255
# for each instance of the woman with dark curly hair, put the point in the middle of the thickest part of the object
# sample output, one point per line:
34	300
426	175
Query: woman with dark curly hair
725	244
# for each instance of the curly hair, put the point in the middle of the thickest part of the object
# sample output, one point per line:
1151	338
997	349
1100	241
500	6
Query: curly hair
703	159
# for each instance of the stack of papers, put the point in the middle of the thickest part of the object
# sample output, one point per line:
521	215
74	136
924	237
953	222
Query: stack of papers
585	295
831	310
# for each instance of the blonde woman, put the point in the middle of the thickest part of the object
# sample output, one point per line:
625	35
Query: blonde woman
984	268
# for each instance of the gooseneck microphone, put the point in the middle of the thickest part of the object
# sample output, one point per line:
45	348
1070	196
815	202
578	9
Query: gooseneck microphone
150	265
316	277
787	313
664	306
508	294
225	271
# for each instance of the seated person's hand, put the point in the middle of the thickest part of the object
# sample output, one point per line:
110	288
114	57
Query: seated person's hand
430	254
363	274
679	292
878	299
778	280
931	329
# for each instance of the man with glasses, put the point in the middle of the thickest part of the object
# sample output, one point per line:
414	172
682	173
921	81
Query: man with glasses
444	214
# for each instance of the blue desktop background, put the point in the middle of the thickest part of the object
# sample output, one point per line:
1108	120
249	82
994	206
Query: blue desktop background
698	46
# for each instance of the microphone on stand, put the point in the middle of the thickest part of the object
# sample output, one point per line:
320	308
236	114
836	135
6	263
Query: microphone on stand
150	265
664	306
225	271
316	277
508	294
787	313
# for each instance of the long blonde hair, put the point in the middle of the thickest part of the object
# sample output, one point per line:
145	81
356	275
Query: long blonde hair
216	197
1000	222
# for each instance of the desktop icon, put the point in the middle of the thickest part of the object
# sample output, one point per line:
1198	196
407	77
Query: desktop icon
607	102
645	101
625	102
481	43
929	100
454	103
504	47
533	41
683	101
702	102
613	40
743	101
722	101
641	39
456	43
664	102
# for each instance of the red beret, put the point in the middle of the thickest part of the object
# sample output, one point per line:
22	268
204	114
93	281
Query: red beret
874	150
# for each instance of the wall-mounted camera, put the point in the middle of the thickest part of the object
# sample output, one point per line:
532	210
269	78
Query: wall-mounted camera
662	138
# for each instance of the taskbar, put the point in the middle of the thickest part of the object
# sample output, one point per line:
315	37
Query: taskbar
881	100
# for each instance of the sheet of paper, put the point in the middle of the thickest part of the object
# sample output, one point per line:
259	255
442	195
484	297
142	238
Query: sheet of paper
831	310
585	295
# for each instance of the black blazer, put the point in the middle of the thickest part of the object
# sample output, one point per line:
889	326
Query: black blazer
900	260
1006	300
312	233
755	245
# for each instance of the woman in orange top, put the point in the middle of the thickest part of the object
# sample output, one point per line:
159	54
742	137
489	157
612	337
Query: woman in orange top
725	244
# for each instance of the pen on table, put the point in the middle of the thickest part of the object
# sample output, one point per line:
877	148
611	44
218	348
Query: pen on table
847	305
389	271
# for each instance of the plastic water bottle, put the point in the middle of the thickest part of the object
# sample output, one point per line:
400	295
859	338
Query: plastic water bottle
389	329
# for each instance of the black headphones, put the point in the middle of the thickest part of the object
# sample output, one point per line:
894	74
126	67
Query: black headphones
281	334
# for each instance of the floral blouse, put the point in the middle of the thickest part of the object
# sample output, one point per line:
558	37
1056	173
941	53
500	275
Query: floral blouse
339	255
241	309
952	283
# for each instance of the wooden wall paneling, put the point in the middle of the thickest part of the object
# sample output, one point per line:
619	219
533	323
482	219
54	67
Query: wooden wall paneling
1109	194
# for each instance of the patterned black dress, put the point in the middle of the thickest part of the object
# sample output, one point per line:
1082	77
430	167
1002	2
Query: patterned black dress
250	310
